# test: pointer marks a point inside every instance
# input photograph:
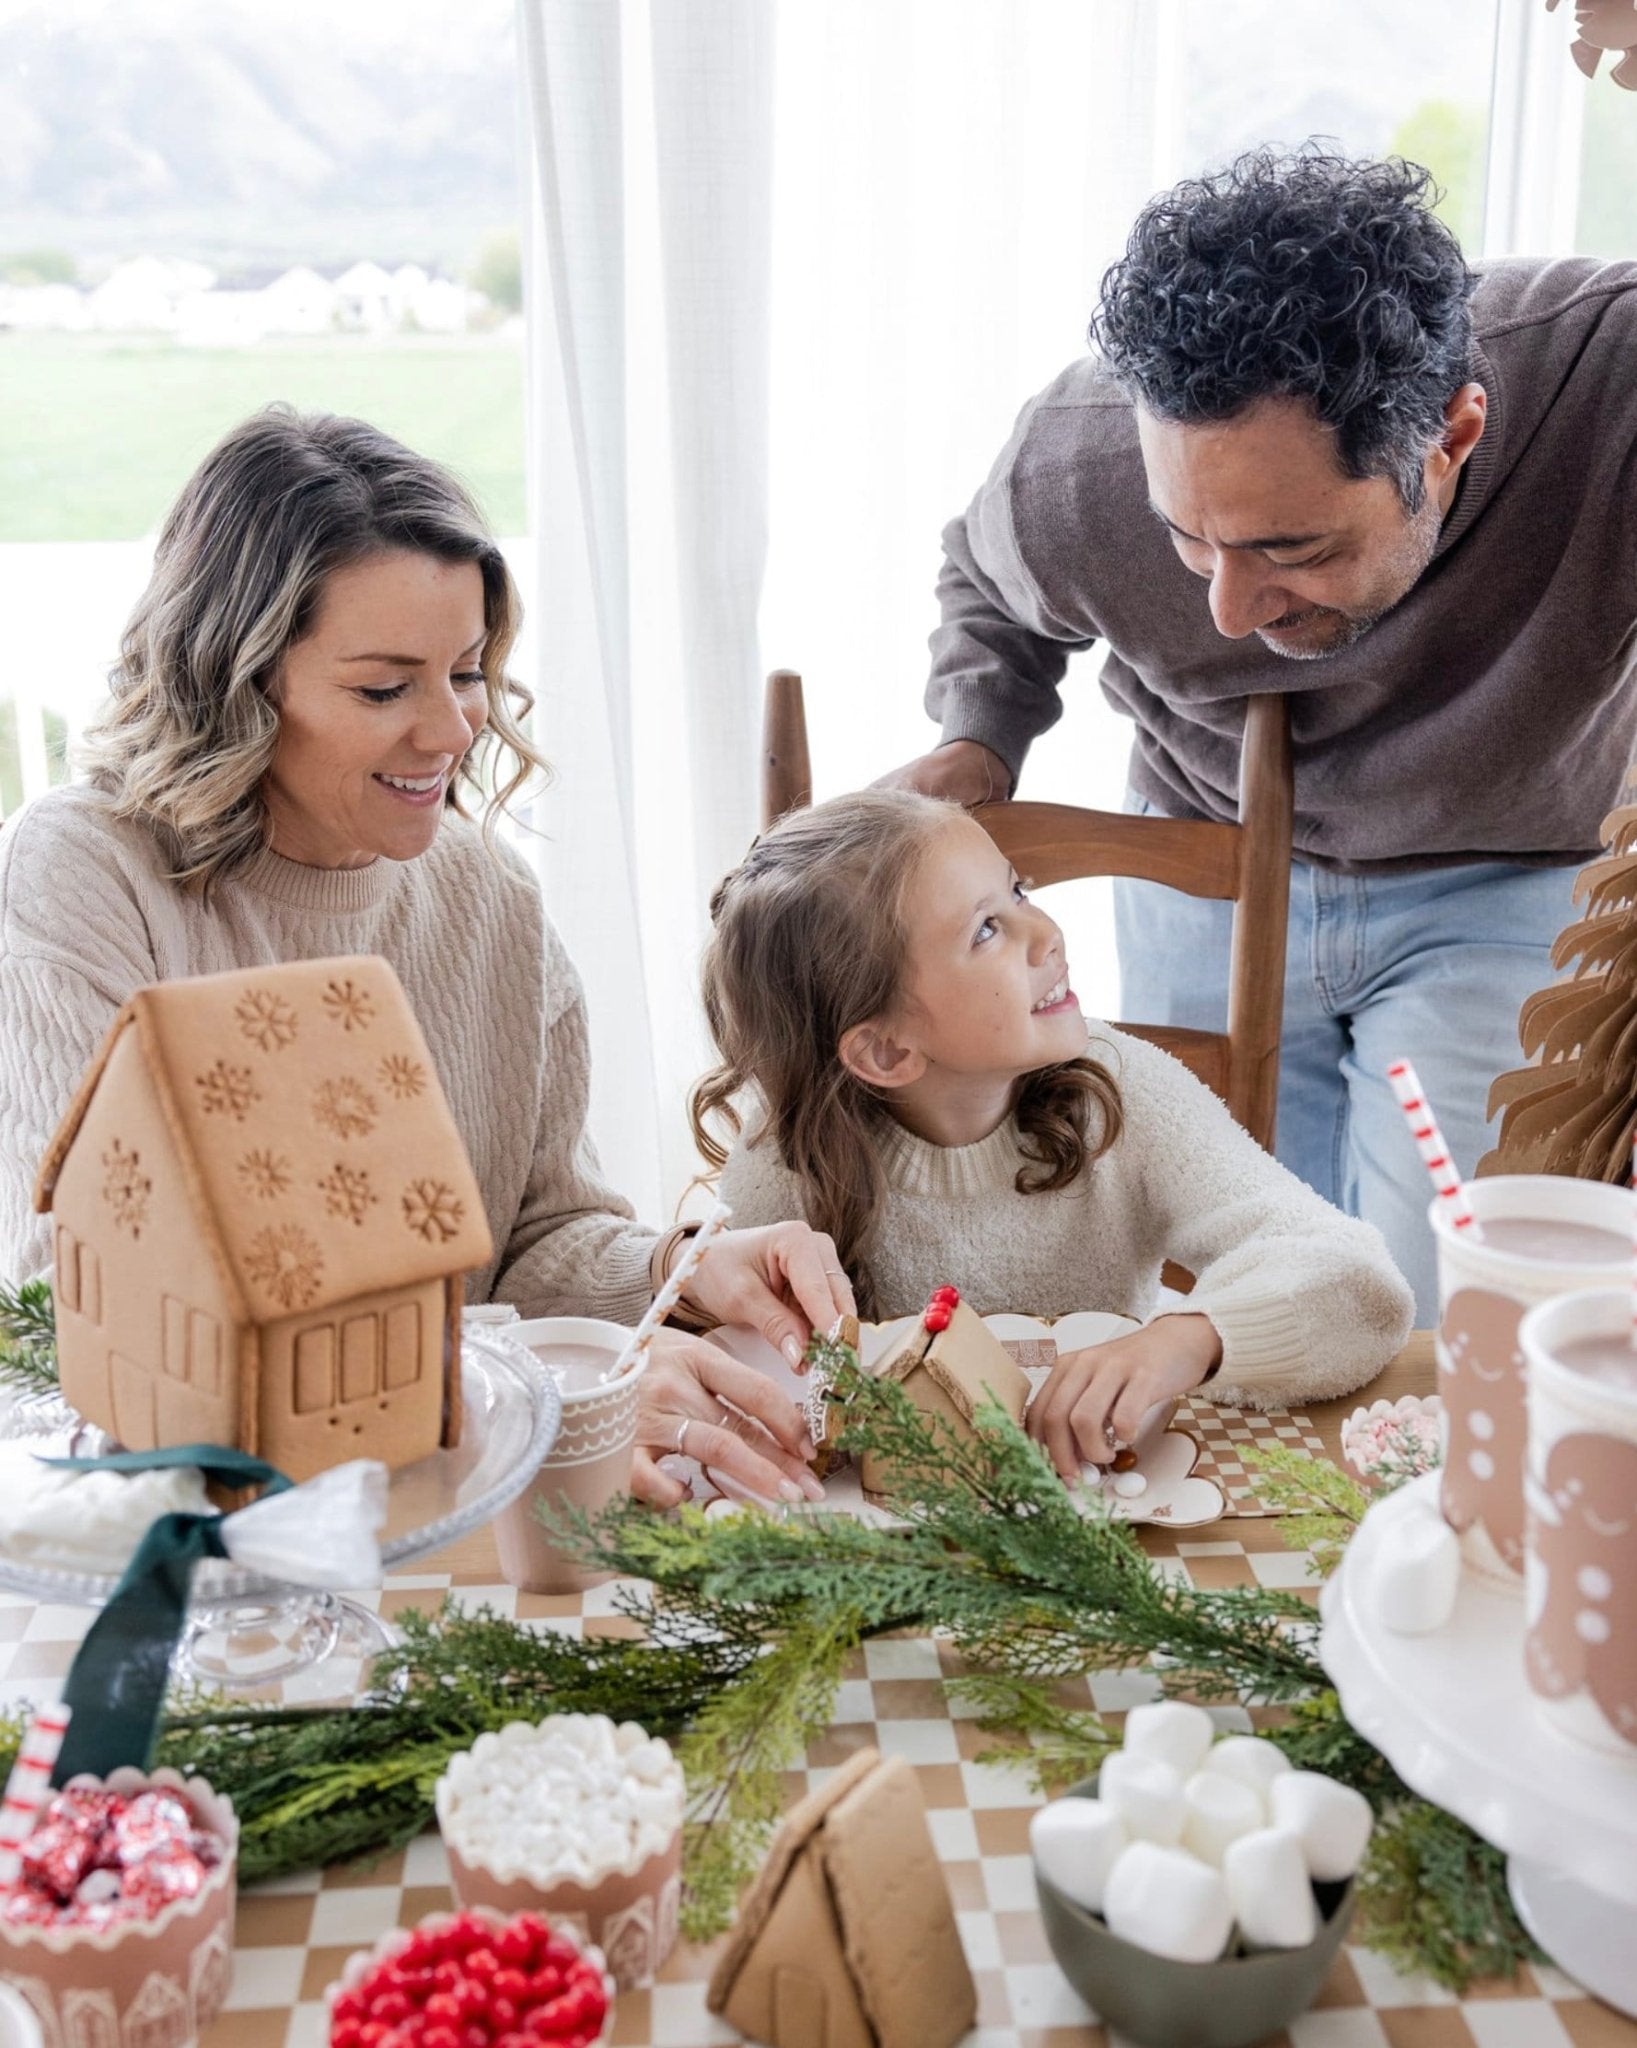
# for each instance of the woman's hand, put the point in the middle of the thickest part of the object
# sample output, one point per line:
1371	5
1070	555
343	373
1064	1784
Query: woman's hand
783	1281
697	1400
1093	1400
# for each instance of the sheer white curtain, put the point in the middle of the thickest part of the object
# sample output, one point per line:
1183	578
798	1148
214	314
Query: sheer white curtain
793	269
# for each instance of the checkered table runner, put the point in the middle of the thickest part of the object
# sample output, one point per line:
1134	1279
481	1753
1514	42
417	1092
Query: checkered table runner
1225	1434
293	1935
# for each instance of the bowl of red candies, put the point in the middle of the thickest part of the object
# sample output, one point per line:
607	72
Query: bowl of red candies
120	1922
474	1979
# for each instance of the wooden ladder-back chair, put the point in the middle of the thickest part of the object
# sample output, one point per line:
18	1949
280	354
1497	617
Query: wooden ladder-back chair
1247	864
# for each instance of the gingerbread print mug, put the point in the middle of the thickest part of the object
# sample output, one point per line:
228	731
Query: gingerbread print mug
1543	1234
1580	1652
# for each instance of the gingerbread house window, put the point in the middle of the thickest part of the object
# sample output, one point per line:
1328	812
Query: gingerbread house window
315	1370
360	1370
79	1276
191	1346
403	1349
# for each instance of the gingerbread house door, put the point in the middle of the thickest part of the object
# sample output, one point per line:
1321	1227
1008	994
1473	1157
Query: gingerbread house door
361	1379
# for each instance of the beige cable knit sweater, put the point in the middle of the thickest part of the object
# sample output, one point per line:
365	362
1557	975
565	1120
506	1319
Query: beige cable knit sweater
88	915
1307	1302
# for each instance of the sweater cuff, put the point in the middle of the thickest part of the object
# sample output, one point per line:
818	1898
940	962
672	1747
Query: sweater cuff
623	1288
968	711
1263	1341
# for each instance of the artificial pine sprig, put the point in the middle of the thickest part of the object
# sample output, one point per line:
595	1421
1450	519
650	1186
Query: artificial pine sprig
28	1338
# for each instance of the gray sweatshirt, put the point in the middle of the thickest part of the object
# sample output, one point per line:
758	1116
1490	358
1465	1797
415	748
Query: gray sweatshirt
1490	715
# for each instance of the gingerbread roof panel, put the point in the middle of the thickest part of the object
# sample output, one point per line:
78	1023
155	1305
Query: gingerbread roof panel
324	1154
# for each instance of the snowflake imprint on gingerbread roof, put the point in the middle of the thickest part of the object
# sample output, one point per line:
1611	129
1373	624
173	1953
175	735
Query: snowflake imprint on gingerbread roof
286	1264
346	1108
266	1019
433	1210
402	1077
265	1174
226	1090
348	1005
347	1192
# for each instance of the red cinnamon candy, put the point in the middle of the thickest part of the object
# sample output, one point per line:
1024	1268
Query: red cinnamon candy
941	1305
452	1980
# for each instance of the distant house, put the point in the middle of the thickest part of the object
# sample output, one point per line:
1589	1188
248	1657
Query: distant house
35	307
364	299
146	293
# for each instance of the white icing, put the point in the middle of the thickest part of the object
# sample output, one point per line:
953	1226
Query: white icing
86	1521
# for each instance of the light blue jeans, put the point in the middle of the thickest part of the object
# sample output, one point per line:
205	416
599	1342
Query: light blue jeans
1431	967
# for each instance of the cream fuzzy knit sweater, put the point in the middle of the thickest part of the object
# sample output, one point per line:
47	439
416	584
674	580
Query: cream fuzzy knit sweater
88	916
1307	1302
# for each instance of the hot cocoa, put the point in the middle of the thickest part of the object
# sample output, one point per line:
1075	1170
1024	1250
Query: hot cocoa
1610	1361
1532	1237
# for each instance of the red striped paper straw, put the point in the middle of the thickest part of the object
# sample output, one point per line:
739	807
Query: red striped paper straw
29	1787
1429	1142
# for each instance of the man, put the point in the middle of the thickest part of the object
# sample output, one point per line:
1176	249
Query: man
1411	495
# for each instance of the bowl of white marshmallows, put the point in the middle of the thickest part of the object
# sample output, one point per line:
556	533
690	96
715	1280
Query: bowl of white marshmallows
1196	1892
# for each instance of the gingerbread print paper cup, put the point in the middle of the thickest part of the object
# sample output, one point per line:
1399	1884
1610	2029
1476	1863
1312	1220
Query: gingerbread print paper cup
590	1463
156	1983
1543	1234
1580	1652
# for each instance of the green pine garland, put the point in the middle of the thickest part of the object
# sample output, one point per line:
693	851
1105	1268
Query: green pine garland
28	1339
747	1625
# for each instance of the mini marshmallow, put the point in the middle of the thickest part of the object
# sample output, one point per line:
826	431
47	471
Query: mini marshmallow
1218	1811
1332	1821
1172	1731
1145	1792
1269	1889
1166	1901
1075	1843
1250	1760
574	1798
1416	1571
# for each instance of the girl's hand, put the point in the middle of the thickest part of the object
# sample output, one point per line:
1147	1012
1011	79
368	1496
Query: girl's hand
782	1280
1093	1400
726	1415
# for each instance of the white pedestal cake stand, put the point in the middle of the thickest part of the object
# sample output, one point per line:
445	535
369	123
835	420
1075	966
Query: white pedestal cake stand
245	1632
1453	1714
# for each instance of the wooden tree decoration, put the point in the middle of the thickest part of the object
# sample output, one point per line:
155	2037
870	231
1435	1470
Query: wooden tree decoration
1605	25
1574	1110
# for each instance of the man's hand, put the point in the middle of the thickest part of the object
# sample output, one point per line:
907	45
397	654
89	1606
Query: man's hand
963	771
1094	1399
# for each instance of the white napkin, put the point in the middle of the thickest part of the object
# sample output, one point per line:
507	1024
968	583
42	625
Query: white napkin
322	1533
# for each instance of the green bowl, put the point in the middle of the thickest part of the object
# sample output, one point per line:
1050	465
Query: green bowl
1164	2004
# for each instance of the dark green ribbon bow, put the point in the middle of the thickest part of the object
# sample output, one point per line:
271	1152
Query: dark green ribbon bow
116	1687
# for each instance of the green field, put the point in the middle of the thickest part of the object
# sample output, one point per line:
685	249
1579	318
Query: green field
98	432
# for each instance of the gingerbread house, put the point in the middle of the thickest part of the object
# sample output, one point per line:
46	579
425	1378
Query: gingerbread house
948	1364
262	1215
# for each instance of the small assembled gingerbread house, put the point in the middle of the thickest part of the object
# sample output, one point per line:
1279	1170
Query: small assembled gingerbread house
848	1939
262	1215
948	1365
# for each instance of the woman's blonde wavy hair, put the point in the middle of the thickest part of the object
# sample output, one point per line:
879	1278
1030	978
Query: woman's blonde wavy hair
808	941
280	504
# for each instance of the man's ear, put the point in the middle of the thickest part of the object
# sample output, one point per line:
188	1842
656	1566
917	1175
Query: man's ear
877	1056
1464	418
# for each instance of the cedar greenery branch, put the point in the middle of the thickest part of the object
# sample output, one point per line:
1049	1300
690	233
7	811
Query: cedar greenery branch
746	1628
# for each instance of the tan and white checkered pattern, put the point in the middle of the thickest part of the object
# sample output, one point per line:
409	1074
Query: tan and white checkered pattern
1225	1434
294	1935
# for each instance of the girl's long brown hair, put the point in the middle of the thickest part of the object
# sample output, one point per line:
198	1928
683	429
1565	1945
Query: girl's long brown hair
809	941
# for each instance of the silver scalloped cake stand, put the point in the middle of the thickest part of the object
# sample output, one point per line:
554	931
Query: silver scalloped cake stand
1453	1714
246	1633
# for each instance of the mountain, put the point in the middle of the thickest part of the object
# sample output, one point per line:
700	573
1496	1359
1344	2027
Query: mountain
243	133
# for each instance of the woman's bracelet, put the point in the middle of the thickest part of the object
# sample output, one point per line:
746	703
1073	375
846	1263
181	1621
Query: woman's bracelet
660	1261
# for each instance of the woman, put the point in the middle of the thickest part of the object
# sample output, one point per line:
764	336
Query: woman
310	702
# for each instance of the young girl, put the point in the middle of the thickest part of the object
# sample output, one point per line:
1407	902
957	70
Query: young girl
922	1086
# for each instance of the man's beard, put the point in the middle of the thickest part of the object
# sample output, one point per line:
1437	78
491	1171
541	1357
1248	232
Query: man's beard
1400	573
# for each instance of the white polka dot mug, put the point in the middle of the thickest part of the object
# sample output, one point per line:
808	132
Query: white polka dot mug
1543	1234
1580	1649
